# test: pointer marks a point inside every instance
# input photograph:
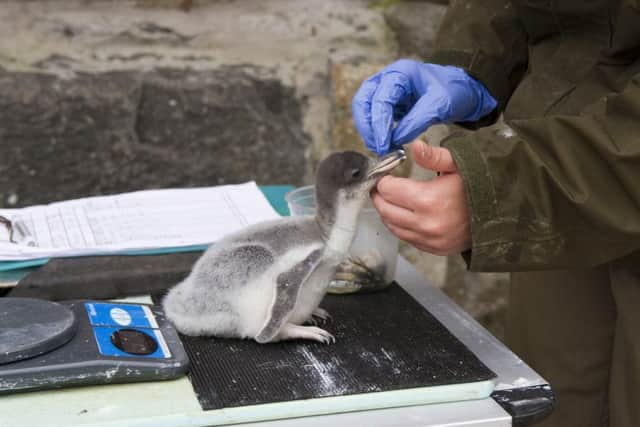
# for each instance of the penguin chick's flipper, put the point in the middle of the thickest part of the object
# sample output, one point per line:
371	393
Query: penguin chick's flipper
288	285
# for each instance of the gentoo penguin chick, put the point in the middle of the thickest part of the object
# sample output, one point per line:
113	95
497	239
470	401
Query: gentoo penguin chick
265	281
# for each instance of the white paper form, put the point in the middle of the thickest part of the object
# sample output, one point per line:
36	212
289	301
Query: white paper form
141	220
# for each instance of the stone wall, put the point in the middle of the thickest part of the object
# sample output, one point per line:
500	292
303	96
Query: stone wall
98	97
115	131
101	96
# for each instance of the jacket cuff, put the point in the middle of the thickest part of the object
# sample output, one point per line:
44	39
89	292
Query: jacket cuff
479	190
482	68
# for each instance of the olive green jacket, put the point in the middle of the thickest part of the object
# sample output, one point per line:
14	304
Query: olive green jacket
557	185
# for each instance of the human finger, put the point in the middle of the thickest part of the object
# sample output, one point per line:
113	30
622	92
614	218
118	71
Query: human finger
401	192
391	91
361	111
420	117
435	159
417	240
392	213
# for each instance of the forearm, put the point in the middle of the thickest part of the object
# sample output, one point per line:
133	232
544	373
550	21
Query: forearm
554	192
486	39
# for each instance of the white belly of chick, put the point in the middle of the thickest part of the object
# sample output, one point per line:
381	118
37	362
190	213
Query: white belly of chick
257	297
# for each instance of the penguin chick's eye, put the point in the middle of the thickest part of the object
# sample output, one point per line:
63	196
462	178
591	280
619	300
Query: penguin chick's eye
354	174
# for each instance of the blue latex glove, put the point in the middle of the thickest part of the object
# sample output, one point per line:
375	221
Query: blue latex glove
417	95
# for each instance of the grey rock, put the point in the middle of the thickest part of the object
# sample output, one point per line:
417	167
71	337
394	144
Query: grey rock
111	132
415	24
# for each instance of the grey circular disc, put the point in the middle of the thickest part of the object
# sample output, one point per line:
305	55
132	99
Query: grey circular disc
29	327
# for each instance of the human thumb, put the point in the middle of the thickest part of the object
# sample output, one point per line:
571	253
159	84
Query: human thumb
436	159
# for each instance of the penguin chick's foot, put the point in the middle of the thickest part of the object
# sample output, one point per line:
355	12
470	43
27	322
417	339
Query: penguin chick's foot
319	315
292	332
313	321
322	314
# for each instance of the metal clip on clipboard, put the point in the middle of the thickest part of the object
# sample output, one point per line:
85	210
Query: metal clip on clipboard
18	232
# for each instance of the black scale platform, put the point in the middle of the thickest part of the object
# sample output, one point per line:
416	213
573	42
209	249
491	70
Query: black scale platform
384	341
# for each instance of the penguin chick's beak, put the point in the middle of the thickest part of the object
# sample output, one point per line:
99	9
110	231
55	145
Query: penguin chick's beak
386	164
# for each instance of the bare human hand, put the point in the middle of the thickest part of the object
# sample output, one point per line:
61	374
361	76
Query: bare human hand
431	215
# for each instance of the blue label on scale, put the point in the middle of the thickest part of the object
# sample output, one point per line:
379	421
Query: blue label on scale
108	314
104	337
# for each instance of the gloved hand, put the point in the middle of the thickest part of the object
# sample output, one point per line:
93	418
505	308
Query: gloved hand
417	95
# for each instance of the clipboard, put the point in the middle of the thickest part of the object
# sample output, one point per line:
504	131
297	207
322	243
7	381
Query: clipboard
274	195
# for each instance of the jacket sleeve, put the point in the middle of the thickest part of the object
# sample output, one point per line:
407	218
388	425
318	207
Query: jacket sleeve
556	191
487	40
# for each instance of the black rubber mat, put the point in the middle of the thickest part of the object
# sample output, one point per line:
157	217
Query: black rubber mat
384	341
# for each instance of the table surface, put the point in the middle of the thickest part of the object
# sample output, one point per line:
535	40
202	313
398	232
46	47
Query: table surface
512	373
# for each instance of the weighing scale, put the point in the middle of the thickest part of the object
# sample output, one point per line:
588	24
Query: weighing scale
45	344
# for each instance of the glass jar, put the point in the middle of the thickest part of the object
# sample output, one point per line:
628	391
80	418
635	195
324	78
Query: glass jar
372	259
